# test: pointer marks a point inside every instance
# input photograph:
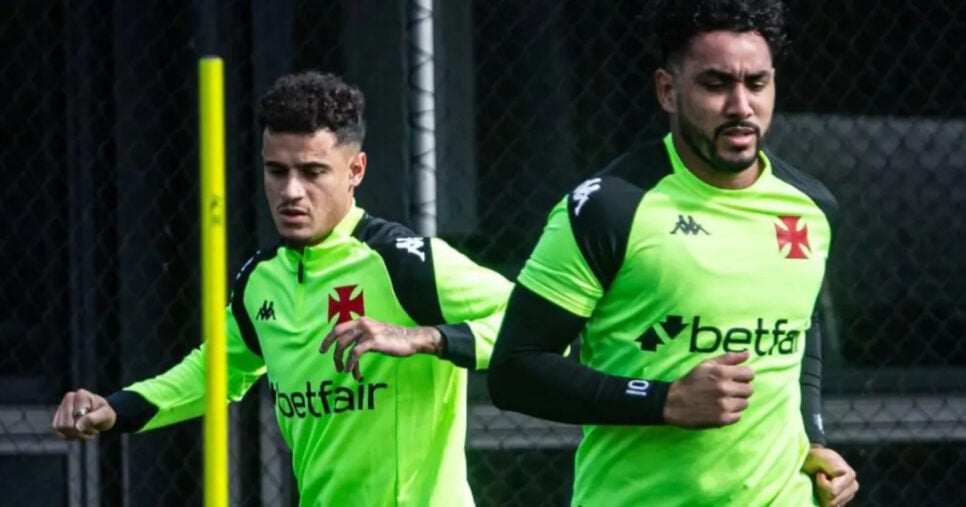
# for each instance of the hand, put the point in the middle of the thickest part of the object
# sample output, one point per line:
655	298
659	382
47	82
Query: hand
367	335
712	394
835	481
82	415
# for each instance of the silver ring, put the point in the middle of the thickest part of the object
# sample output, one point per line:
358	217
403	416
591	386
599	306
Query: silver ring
79	412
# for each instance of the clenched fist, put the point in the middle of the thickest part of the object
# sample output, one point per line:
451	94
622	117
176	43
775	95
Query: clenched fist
82	415
712	394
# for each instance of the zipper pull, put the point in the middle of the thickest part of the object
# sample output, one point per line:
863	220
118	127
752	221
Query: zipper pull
301	271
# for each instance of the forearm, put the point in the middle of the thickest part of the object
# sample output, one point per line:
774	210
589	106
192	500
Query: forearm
811	383
179	393
549	386
528	374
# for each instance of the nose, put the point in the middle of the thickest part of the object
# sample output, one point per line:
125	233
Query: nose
292	188
738	104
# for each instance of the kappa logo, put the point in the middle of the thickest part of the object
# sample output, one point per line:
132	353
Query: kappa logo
413	246
788	233
344	305
267	311
689	226
582	193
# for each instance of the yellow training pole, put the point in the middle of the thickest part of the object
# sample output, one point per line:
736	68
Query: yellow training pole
214	276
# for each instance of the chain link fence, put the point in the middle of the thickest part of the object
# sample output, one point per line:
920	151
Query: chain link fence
100	235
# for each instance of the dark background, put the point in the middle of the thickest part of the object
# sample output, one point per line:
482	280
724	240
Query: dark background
99	236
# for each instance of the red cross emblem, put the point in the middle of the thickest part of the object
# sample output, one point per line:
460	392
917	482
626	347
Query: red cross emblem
788	233
344	305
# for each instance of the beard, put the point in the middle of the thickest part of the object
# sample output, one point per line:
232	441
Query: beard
707	148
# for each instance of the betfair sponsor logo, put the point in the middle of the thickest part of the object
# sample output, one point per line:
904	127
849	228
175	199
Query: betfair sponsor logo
761	338
326	398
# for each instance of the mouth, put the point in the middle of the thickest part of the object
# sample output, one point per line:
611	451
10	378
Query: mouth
293	215
739	137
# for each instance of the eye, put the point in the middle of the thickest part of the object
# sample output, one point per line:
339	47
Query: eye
275	170
313	172
757	85
714	85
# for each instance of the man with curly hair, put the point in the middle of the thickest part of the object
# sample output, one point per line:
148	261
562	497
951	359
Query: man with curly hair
382	429
690	267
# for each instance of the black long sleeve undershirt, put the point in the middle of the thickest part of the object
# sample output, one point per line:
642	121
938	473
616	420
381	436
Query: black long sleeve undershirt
811	381
529	374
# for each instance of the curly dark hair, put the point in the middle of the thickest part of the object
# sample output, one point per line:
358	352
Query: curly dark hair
672	24
310	101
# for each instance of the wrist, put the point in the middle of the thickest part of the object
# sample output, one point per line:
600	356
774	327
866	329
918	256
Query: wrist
431	341
666	411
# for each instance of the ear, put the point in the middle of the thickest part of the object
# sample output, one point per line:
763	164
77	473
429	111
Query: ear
357	169
664	88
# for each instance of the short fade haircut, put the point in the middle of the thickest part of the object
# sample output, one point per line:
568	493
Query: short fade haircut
310	101
673	24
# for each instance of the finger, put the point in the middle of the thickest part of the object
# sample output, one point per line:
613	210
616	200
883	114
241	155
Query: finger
731	358
739	390
730	418
824	486
348	338
57	424
92	423
62	429
83	404
847	495
743	374
354	355
334	335
66	407
736	405
841	483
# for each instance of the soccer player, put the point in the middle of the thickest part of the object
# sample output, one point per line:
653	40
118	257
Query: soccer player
405	315
690	268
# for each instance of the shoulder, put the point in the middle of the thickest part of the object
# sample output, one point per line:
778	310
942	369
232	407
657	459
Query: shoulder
261	256
601	209
373	230
807	184
397	244
612	194
409	262
237	300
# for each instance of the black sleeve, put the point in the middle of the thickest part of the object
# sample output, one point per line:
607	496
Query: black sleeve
811	380
529	374
133	411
